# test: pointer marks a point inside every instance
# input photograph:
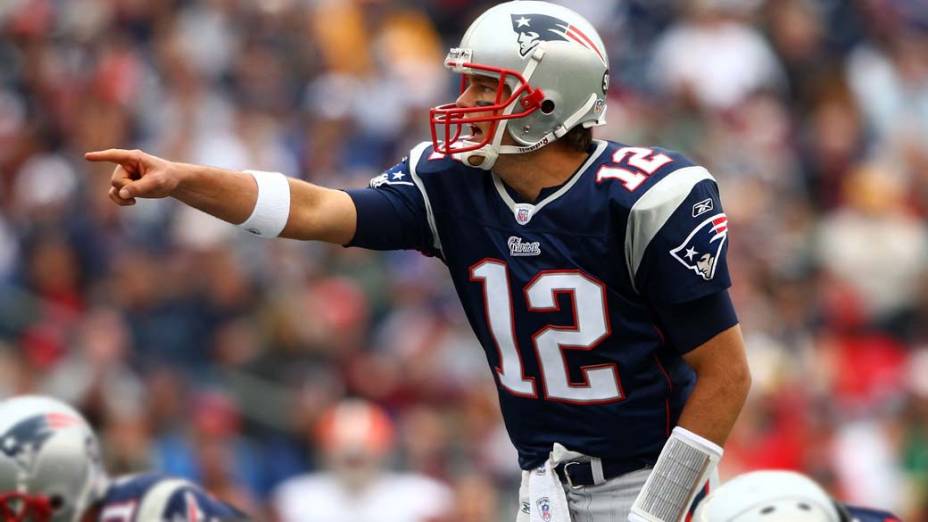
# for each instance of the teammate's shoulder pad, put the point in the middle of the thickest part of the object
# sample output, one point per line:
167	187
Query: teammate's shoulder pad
861	514
190	503
132	485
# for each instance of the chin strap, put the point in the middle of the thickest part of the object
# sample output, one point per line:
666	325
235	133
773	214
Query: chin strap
483	158
554	135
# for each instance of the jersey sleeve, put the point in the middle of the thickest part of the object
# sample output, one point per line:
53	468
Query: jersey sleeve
676	245
859	514
393	211
677	239
192	504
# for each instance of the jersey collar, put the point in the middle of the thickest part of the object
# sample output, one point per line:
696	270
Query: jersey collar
523	212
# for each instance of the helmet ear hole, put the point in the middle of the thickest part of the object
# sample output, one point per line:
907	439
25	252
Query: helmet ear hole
56	502
547	106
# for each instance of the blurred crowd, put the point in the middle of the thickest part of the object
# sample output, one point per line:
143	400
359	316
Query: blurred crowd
201	351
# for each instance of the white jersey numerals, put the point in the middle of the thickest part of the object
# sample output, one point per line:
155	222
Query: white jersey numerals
497	305
600	382
643	163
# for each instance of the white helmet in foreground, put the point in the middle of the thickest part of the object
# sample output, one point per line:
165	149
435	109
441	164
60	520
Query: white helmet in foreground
50	468
555	66
768	496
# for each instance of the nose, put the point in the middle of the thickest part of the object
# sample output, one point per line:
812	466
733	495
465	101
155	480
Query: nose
466	98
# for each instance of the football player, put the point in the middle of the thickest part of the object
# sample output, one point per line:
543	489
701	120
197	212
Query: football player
779	496
593	273
50	471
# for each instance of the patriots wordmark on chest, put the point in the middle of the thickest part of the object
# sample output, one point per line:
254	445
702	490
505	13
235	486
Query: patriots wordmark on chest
520	247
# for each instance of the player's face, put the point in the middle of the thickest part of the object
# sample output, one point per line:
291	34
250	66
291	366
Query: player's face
479	91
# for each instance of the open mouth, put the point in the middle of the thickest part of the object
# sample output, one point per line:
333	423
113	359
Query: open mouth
475	133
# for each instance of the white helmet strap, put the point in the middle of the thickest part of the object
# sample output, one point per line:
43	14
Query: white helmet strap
556	134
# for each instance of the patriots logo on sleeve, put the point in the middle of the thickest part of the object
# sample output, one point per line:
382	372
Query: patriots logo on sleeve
532	29
394	176
701	250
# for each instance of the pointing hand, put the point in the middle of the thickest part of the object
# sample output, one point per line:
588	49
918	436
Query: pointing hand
137	174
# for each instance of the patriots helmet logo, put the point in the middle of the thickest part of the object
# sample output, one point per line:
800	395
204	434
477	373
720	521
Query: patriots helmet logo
532	29
24	440
701	250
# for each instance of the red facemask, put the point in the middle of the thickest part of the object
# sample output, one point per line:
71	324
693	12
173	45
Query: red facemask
453	118
17	507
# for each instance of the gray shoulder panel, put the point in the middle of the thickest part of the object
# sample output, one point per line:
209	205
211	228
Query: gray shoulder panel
652	210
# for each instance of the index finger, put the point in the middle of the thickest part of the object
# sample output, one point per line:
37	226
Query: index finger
113	155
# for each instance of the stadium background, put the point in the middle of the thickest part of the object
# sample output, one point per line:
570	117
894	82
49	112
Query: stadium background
201	351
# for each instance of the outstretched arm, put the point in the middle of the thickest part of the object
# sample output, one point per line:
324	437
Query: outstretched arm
316	213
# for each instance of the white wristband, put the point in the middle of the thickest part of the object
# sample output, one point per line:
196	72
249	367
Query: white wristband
681	471
272	208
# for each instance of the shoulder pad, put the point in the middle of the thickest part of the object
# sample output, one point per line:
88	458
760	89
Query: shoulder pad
666	194
859	514
633	171
654	208
156	500
425	160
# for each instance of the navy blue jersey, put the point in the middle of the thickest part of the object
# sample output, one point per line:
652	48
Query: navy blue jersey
858	514
145	497
565	293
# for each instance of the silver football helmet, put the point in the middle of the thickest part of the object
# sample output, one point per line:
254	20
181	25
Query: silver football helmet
50	469
768	496
555	66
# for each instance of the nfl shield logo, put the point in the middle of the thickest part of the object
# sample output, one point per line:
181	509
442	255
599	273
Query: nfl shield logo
544	508
523	213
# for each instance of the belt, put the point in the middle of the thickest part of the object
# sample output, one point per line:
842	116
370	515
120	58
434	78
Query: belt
576	473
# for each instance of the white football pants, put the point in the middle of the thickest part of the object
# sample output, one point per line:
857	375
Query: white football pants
610	501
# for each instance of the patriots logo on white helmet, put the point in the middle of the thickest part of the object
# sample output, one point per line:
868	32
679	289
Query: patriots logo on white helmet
533	29
24	440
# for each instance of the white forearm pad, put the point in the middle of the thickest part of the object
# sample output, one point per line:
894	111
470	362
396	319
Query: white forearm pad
681	471
272	208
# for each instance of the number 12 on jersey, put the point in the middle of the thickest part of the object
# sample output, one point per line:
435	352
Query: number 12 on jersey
601	382
642	162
